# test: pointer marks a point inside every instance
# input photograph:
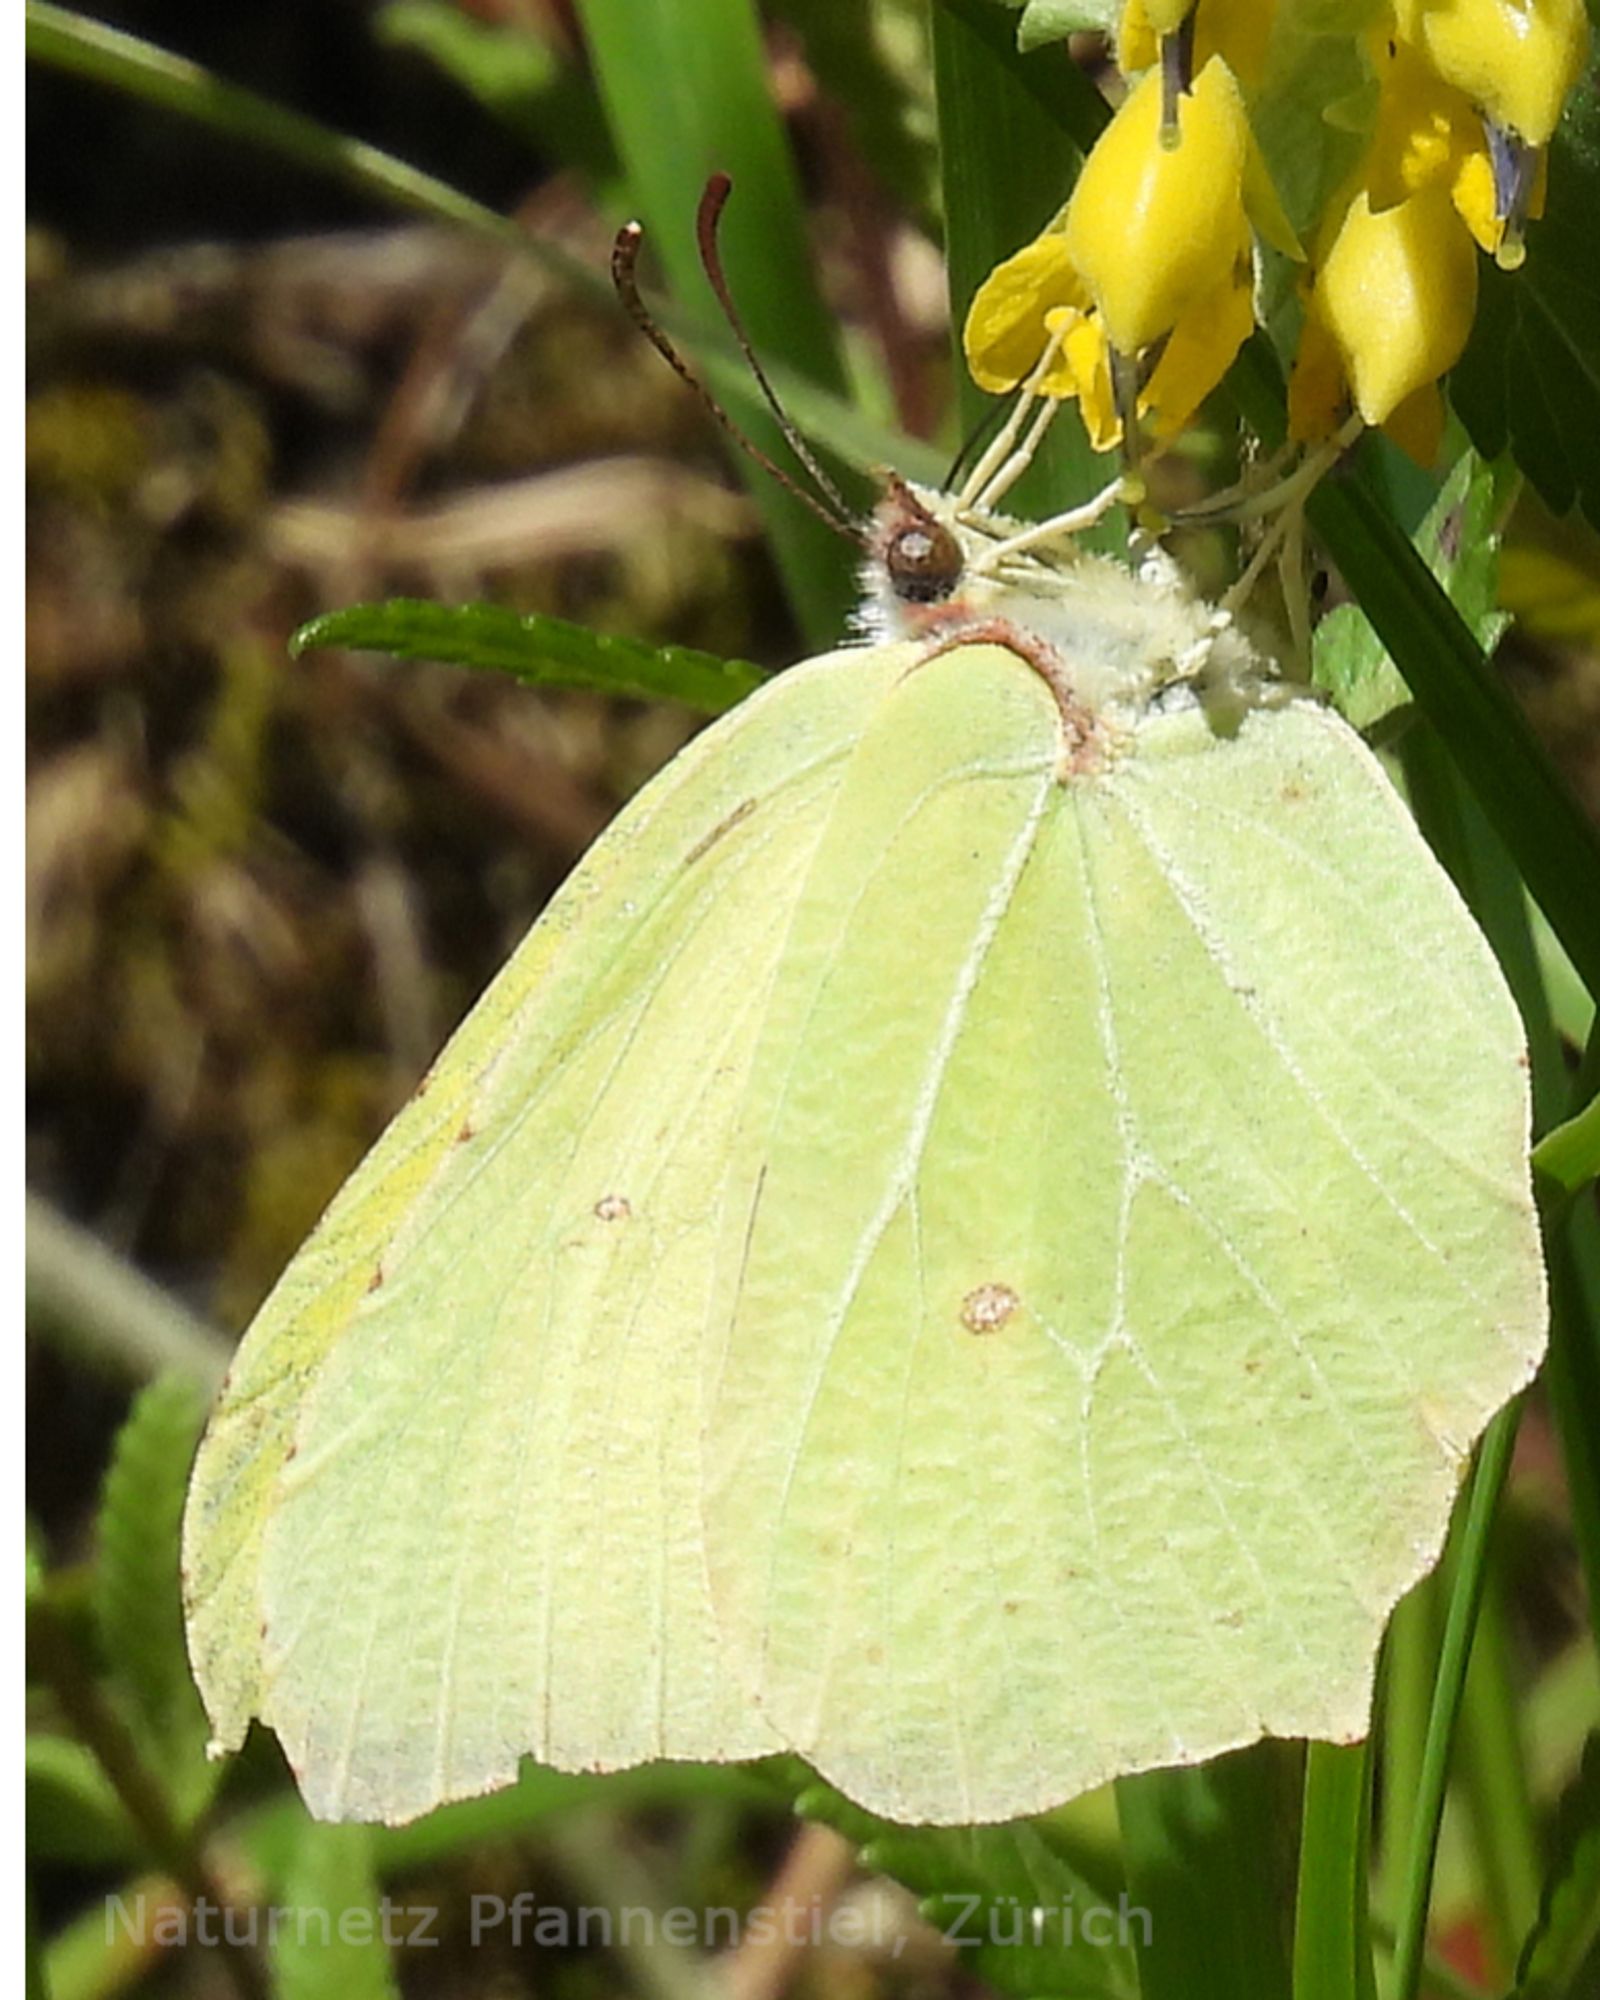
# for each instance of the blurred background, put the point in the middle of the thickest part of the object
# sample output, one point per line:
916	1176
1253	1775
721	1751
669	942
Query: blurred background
262	890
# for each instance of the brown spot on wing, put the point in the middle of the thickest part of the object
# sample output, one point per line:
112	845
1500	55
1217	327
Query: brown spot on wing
987	1308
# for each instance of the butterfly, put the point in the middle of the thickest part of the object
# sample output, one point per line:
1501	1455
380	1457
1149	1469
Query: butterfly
971	1242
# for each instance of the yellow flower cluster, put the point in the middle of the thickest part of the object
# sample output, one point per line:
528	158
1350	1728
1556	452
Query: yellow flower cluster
1138	294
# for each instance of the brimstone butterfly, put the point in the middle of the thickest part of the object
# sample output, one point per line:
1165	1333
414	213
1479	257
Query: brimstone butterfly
971	1242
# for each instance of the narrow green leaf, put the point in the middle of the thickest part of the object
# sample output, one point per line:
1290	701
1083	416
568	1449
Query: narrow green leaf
1023	1916
330	1942
1569	1154
1572	1383
1470	1562
1530	378
1210	1853
543	652
1561	1958
1332	1955
1492	1775
135	1589
106	55
515	73
685	88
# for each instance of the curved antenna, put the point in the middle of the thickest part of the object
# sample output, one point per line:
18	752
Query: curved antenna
713	200
624	263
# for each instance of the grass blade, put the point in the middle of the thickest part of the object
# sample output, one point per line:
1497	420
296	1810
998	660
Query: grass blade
1209	1852
1332	1957
1488	1478
685	88
104	54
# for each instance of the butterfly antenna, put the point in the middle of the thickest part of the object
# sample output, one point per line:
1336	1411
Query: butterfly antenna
712	202
624	276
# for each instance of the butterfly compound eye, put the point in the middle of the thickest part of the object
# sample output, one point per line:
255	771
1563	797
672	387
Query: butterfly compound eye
924	563
921	557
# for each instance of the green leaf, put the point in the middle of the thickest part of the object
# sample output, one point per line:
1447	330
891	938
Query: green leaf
136	1594
980	1886
1459	540
330	1939
1561	1959
1530	378
543	652
1570	1154
505	68
74	1814
1053	20
514	73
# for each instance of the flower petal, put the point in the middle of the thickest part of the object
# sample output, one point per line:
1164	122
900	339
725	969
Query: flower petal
1151	227
1199	352
1397	291
1005	331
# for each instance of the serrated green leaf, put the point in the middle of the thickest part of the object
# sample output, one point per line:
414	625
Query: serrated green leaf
1459	540
543	652
1530	378
74	1814
1561	1959
330	1941
1006	1896
135	1591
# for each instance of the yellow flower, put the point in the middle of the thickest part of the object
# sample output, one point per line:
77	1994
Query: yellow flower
1153	229
1151	259
1516	59
1008	322
1389	312
1428	133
